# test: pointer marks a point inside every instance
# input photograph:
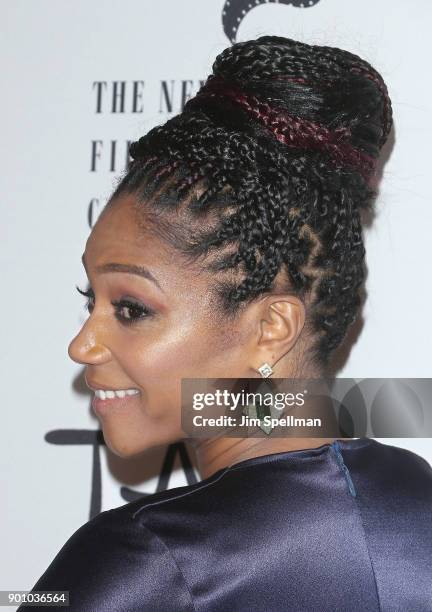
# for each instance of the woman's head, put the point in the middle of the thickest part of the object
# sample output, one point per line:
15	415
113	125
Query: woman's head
246	209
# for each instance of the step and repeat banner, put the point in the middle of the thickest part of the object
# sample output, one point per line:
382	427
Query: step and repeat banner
81	80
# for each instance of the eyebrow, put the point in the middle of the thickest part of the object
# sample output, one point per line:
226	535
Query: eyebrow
125	268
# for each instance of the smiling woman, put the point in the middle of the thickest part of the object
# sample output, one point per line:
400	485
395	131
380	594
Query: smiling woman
232	248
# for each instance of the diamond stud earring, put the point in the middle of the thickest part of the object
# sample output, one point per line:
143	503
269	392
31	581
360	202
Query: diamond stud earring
265	370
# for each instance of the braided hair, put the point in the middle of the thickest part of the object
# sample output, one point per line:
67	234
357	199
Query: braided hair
264	174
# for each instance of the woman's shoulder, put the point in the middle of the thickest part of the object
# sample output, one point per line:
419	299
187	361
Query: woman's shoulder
121	560
112	563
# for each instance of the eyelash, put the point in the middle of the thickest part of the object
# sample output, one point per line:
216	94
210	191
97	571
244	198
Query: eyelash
143	310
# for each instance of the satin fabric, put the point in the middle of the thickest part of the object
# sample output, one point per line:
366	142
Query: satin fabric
342	527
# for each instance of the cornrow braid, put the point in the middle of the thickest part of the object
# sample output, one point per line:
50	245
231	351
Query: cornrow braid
265	173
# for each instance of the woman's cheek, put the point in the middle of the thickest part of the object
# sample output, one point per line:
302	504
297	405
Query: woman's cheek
180	348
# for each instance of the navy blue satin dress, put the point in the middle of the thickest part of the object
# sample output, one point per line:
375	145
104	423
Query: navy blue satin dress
345	527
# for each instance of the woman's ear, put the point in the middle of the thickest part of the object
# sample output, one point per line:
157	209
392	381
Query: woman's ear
281	321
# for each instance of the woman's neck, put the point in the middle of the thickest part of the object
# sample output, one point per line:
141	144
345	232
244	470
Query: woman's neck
213	454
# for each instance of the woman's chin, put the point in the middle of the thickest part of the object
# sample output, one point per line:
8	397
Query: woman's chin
128	442
122	448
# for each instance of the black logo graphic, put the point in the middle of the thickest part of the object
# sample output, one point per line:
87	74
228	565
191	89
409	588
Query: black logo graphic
94	438
234	12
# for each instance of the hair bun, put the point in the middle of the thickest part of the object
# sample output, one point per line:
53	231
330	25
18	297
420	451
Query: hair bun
308	96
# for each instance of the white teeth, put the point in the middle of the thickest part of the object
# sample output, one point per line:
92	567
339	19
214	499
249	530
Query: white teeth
110	394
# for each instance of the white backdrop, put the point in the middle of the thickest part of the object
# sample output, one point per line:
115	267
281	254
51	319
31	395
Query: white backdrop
52	53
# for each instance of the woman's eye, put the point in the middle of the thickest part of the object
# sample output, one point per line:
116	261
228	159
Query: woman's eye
126	310
129	312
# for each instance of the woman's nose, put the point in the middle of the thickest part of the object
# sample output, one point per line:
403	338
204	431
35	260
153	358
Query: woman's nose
88	348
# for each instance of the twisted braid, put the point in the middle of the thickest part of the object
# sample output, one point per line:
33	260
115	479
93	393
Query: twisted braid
294	131
267	169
